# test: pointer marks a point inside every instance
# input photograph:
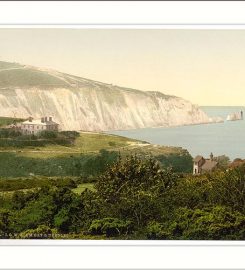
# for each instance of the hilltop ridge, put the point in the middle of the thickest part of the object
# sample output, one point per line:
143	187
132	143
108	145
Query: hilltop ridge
83	104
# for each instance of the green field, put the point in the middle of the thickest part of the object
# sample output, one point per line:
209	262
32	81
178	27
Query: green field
88	155
87	142
92	143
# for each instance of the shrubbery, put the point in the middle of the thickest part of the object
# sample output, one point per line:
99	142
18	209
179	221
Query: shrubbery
110	227
14	138
9	133
134	198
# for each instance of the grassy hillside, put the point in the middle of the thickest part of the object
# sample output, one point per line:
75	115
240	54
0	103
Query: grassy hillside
8	65
87	142
88	156
28	77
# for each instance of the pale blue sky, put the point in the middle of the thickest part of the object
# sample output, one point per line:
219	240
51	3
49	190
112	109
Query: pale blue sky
203	66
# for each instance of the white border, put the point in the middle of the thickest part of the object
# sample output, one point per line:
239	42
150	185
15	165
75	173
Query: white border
101	254
127	26
147	243
125	243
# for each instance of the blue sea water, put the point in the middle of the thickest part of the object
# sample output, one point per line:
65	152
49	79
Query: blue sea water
226	138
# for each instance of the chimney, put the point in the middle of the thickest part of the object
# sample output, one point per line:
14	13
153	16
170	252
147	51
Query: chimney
30	119
211	156
42	120
50	119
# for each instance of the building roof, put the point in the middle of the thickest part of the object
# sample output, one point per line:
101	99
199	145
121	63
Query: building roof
209	165
198	158
39	122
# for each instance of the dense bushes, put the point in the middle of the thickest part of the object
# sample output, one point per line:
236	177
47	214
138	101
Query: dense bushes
35	182
14	138
131	189
178	162
134	198
110	227
41	232
9	133
211	223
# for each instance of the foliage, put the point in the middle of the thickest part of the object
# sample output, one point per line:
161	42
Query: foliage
178	162
210	223
9	133
223	161
5	121
99	163
131	188
14	138
69	134
112	143
228	188
41	232
156	231
25	183
48	134
110	227
133	198
4	222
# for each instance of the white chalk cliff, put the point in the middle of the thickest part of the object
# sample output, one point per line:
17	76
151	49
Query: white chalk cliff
82	104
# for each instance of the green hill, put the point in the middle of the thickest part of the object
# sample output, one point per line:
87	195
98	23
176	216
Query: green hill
28	78
89	155
8	65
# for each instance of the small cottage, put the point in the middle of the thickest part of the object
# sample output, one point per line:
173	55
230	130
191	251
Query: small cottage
202	165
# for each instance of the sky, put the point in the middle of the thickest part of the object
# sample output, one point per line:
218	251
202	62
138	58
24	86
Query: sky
206	67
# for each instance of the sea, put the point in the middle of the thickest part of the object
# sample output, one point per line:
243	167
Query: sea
227	138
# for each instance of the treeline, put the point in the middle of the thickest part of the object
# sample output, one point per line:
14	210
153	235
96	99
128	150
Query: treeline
133	199
39	182
4	121
14	138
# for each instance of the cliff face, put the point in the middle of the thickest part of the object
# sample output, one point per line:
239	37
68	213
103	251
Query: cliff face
81	104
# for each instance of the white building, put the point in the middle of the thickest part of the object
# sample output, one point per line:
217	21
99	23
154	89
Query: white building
34	126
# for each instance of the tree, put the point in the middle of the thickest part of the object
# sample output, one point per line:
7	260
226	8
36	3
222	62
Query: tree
131	189
69	218
228	188
210	223
110	226
223	161
4	222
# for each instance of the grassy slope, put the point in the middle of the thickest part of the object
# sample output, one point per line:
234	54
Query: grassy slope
83	158
28	77
8	65
89	142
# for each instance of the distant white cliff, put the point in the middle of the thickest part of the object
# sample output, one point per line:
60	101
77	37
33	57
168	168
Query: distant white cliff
81	104
235	116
